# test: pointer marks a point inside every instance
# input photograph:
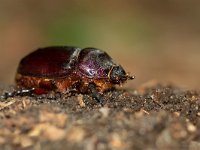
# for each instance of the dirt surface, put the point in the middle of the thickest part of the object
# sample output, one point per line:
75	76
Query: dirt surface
152	117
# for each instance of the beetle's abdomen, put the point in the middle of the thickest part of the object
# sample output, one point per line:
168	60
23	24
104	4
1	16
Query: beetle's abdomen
48	62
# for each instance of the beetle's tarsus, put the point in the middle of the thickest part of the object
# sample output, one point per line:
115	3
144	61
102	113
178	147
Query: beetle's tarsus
95	94
4	96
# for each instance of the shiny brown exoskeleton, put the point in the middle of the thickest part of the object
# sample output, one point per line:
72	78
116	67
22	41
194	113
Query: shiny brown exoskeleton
87	70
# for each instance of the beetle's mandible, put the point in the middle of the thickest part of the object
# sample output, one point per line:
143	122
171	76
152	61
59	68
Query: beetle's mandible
62	68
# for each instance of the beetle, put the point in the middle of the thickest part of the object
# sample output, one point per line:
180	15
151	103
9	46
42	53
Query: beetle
61	68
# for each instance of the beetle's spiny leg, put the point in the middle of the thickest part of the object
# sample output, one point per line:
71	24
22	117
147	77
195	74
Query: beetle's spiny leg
18	92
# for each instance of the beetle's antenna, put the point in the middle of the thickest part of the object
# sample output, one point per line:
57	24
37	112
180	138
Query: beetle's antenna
130	77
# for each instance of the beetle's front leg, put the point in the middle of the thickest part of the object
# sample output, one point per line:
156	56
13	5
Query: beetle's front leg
95	94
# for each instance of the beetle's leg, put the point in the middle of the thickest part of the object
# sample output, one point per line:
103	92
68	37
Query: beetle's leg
18	92
95	94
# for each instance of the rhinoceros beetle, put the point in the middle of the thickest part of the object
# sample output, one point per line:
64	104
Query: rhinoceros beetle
61	68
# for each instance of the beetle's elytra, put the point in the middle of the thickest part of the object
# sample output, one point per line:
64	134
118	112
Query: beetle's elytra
87	70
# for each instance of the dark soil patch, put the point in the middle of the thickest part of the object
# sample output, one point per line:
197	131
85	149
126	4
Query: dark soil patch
158	117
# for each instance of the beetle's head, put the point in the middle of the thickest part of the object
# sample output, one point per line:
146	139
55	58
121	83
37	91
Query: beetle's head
117	75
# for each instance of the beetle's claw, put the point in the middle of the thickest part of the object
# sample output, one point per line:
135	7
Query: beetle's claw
4	96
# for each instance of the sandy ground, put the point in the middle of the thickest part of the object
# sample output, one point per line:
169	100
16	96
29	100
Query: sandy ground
152	117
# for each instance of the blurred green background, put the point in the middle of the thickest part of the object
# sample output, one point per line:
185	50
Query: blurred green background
154	40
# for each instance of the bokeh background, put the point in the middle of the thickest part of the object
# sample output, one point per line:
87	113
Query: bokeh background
154	40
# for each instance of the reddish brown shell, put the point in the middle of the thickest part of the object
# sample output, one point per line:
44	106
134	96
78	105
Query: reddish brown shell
50	62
